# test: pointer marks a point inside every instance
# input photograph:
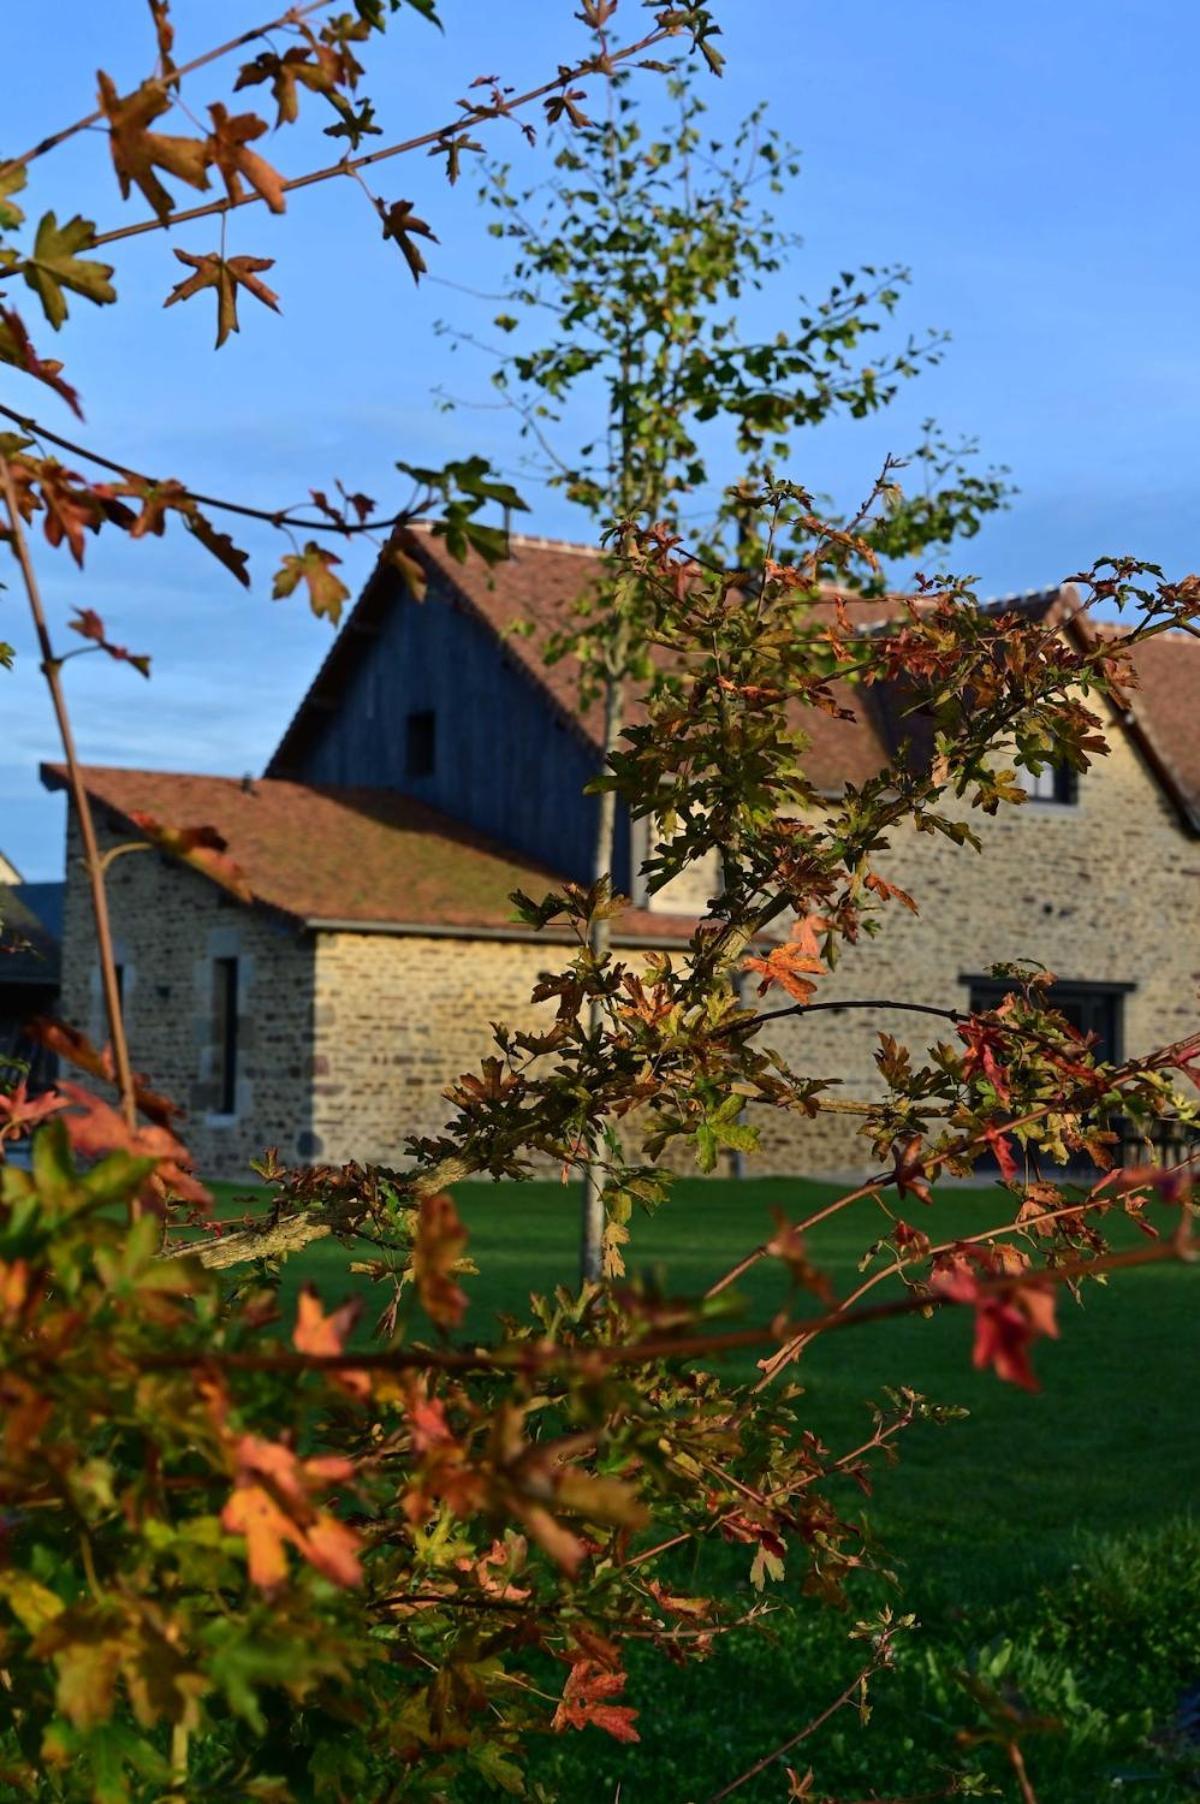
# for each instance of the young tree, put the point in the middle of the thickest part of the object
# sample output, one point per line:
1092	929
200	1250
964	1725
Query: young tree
644	252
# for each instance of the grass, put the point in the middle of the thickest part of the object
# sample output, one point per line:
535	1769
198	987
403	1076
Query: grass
994	1524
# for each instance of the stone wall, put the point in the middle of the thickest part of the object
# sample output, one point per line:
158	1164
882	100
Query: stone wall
1104	891
170	926
398	1017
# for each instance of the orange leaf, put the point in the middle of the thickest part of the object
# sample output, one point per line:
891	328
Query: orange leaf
324	1335
272	1507
438	1246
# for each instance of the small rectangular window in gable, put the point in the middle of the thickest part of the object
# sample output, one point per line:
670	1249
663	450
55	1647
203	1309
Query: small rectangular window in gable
420	746
225	1033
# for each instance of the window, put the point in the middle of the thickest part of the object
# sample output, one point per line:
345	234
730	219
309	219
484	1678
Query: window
1091	1008
1053	783
420	747
225	1033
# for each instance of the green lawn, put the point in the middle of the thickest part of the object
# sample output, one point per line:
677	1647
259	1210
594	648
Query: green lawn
993	1523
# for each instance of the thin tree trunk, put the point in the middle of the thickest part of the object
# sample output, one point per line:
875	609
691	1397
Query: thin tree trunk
52	671
599	940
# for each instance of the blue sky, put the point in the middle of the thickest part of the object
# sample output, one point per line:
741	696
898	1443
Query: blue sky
1035	167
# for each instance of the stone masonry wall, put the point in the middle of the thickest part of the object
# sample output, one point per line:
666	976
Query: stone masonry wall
398	1016
170	924
1104	891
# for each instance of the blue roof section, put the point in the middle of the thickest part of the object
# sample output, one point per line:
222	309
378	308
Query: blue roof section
31	920
47	901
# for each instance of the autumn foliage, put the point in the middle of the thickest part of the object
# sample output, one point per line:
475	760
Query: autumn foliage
280	1553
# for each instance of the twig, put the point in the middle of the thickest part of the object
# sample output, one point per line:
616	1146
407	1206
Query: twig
279	517
293	14
91	851
810	1728
539	1357
442	134
1028	1795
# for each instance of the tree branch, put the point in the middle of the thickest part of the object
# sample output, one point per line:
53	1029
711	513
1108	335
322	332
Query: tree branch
291	16
91	851
442	134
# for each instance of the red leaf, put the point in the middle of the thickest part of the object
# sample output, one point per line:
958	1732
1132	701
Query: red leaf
95	1129
585	1700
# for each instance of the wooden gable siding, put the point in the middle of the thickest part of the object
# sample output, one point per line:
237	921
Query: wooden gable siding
507	761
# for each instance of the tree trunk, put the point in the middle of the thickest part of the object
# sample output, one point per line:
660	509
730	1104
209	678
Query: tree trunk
599	938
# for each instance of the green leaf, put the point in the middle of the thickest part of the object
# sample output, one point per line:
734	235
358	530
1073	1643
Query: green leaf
488	1760
706	1147
55	266
11	182
32	1604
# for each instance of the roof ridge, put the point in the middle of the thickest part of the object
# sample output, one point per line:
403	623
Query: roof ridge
536	541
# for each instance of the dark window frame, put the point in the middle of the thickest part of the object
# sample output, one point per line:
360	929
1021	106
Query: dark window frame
987	992
420	742
1066	786
225	1024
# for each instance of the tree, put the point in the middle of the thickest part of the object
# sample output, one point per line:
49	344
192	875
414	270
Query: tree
648	244
248	1555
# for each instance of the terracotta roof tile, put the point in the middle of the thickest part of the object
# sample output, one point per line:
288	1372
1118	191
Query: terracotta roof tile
365	857
538	583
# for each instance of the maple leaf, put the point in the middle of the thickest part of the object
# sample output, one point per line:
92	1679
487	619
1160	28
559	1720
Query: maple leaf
164	33
72	508
889	892
201	847
787	1244
438	1245
586	1699
219	544
783	964
226	275
228	149
323	1335
314	566
19	1111
983	1044
615	1236
1005	1324
272	1506
12	180
908	1172
137	152
401	225
95	1128
55	265
566	104
1001	1146
15	348
291	71
89	625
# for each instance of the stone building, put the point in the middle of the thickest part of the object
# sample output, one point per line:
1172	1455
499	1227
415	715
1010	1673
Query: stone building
436	764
